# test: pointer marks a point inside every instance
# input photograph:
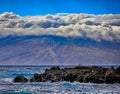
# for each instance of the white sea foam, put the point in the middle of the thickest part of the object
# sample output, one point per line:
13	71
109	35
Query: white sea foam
7	79
61	88
7	86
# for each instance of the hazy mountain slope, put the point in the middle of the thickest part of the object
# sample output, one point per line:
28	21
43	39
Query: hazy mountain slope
46	49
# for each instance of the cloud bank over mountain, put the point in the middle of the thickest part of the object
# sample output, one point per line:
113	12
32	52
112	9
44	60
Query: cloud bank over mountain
96	27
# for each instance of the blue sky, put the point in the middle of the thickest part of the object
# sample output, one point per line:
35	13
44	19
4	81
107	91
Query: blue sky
42	7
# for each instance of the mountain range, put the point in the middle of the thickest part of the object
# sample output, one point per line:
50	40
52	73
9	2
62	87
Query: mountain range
57	50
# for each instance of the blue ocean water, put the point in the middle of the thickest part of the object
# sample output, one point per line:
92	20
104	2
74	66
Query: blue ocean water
7	73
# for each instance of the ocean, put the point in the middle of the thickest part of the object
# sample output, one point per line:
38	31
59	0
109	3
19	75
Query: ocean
7	73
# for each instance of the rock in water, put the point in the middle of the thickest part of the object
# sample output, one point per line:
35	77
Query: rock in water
36	78
112	77
81	74
20	78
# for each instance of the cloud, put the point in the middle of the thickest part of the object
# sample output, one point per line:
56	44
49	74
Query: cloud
97	27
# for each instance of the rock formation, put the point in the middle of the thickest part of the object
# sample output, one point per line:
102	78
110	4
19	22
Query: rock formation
82	74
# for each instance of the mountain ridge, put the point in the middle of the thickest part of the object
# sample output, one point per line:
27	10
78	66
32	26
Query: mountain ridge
52	50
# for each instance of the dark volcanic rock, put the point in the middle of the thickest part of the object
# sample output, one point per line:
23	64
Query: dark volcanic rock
81	74
118	70
36	78
20	78
93	78
112	77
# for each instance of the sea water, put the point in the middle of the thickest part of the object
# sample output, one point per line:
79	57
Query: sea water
7	73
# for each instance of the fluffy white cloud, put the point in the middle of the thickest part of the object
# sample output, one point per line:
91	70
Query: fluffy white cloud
97	27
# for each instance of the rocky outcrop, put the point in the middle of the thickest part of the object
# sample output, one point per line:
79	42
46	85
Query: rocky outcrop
112	76
81	74
20	78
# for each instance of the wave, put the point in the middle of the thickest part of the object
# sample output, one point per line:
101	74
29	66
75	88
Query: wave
58	88
8	87
6	80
